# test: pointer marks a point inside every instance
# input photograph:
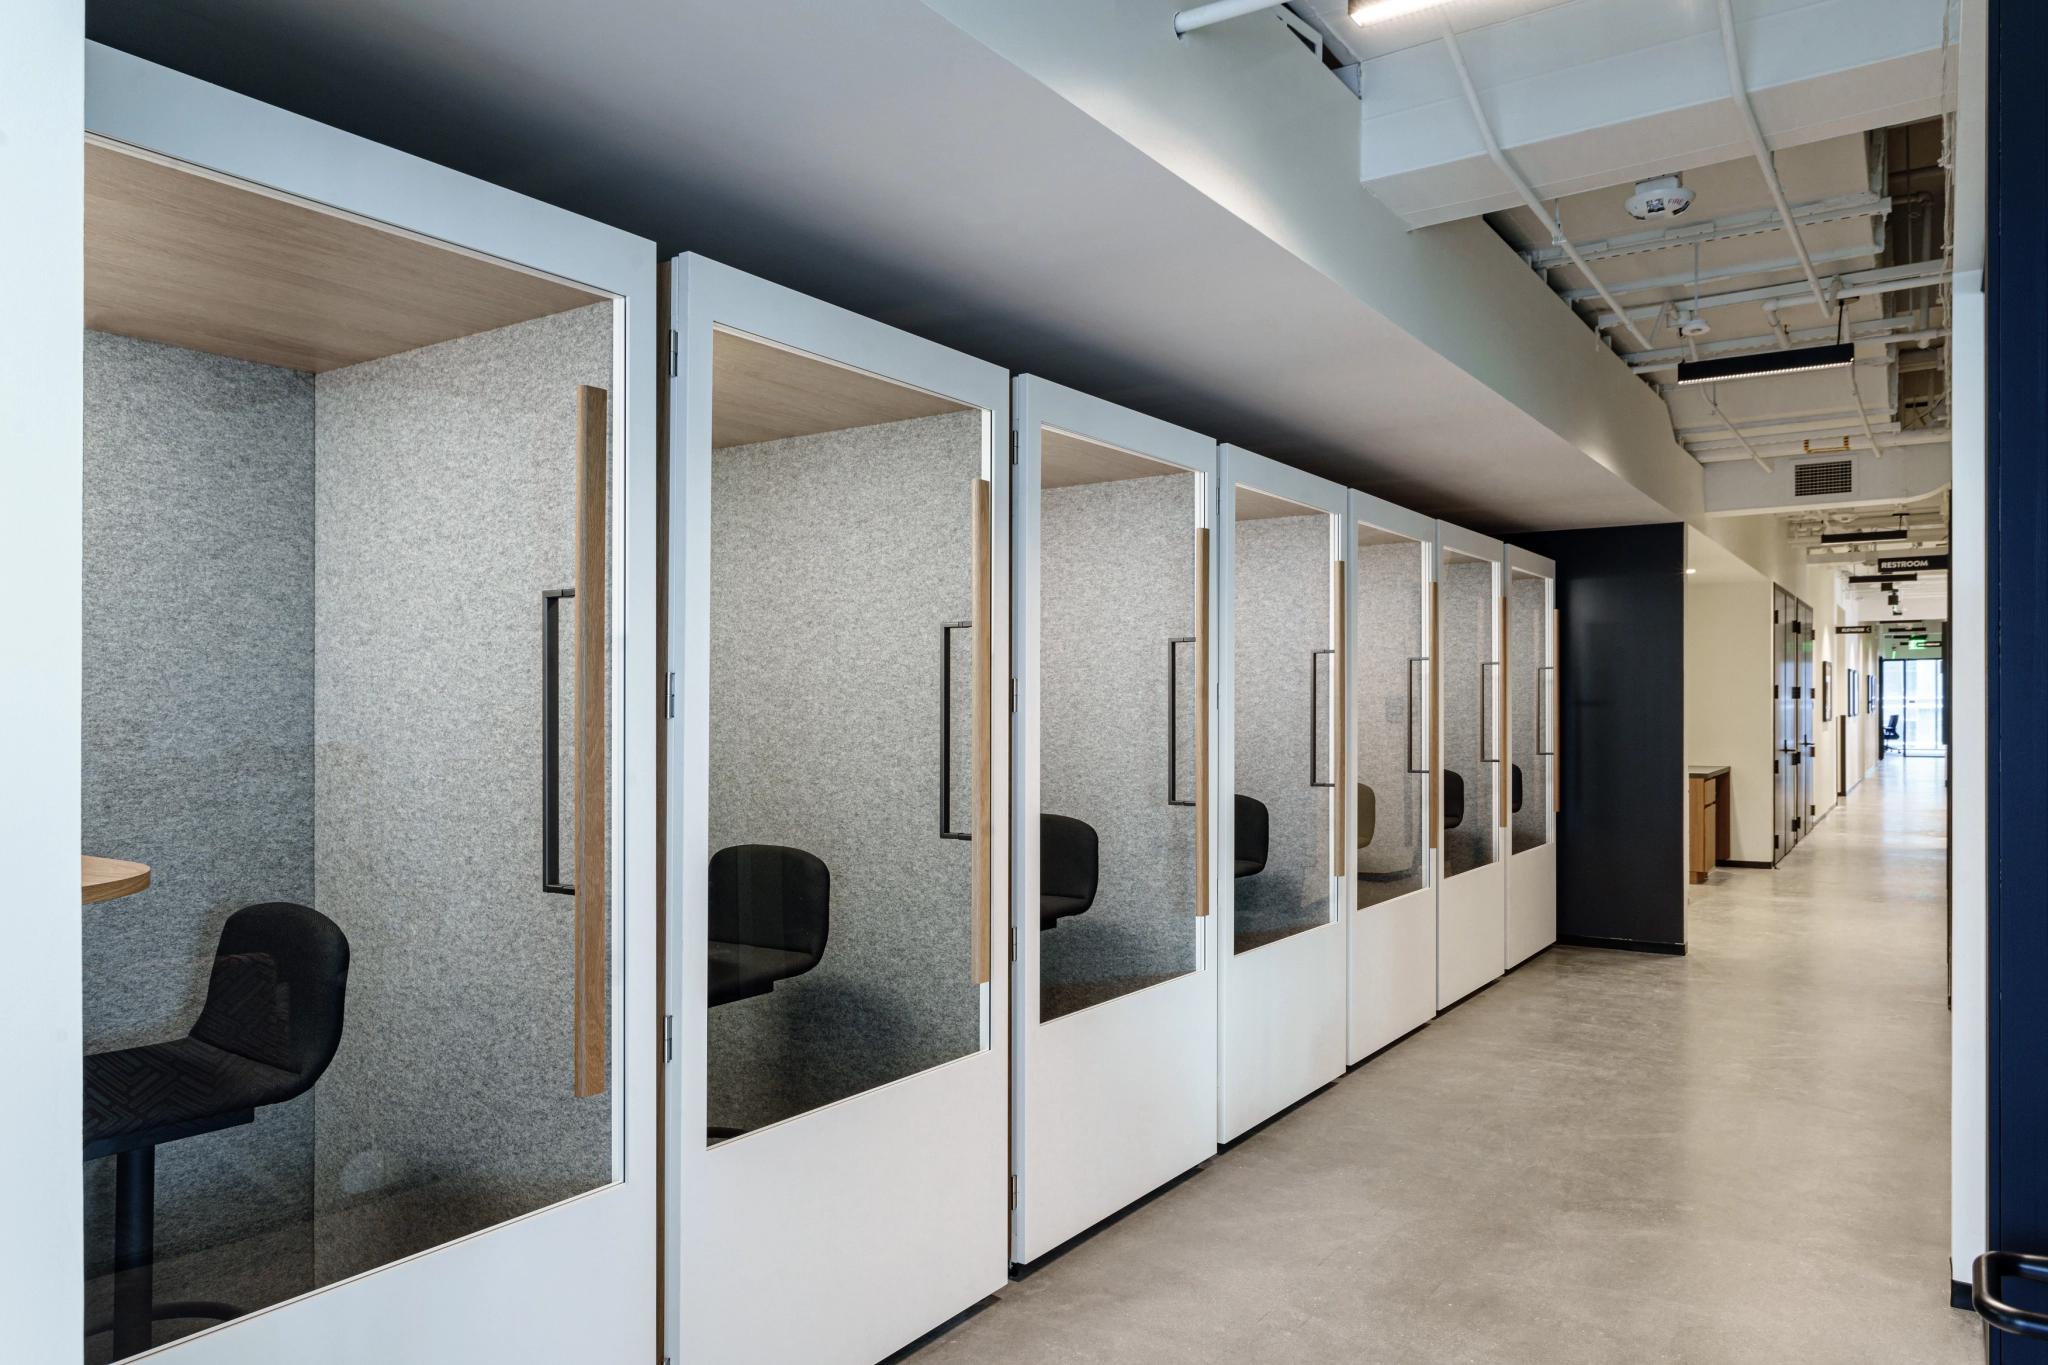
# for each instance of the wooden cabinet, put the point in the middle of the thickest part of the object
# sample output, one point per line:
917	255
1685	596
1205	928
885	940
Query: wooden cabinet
1708	825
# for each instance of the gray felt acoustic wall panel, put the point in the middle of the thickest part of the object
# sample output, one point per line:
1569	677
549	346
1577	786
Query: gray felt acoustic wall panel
836	559
1388	635
198	760
1283	617
445	496
1116	584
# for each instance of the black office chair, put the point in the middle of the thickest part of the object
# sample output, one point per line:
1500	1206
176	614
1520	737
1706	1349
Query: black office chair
1515	801
1454	800
270	1025
1891	728
1368	814
1068	865
770	912
1252	837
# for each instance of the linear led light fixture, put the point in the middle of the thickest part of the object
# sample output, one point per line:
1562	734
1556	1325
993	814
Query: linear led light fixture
1858	537
1364	12
1766	363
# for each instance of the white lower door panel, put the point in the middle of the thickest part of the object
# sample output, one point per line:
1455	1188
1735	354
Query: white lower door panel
1471	932
1282	1025
1393	971
507	1293
838	1236
1532	902
1119	1099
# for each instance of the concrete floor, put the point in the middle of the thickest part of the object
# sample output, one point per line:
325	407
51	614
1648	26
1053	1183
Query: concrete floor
1740	1155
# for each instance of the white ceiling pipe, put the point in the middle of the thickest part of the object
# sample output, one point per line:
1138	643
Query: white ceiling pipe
1201	16
1736	432
1889	279
1500	160
1724	229
1722	273
1862	416
1739	89
1709	453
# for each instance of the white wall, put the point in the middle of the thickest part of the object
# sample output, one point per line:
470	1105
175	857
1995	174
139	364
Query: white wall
1728	702
42	234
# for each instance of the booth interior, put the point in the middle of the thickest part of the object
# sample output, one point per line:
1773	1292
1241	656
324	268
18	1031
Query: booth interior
338	481
1119	704
1529	710
1390	715
1471	691
841	744
1286	704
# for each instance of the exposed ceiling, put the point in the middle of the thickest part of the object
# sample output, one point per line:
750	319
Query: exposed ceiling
891	163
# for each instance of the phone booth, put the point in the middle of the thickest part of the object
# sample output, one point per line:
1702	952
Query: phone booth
1472	780
1114	1082
1278	891
368	929
1531	666
1392	916
838	828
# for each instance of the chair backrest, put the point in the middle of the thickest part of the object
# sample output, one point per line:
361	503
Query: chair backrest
1069	860
1252	822
1368	814
280	978
1454	799
769	896
1516	803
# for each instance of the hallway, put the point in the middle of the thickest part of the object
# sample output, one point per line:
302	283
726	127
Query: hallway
1739	1155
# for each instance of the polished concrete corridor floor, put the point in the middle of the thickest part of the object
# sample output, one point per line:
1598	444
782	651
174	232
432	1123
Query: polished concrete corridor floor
1740	1155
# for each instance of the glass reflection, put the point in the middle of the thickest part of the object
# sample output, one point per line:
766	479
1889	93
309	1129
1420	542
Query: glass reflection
1390	796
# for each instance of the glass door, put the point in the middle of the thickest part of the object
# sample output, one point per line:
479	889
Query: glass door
1286	570
1392	924
1115	1077
839	1111
1531	668
1472	795
366	892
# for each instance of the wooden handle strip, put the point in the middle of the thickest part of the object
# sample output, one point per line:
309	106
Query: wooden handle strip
1436	817
592	497
984	829
1202	833
1339	745
1501	720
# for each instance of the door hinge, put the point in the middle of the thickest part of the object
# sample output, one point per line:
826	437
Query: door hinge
1774	693
1774	841
1013	696
671	696
1013	1192
668	1037
675	352
1013	943
1013	445
1774	767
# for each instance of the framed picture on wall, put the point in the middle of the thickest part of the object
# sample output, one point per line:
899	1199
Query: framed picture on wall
1849	692
1827	691
1869	694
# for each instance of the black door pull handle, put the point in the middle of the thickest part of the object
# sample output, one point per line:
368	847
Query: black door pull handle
1993	1268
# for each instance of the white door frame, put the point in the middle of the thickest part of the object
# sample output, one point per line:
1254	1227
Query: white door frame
1471	906
1391	977
1532	875
841	1234
1281	1018
1110	1102
573	1280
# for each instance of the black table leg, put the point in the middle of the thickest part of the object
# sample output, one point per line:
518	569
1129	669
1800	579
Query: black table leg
134	1249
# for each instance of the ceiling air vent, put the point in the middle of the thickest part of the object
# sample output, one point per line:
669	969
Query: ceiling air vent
1823	477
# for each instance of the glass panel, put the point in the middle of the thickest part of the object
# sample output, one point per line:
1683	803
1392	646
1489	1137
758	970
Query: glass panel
1528	722
841	751
1390	715
1118	707
1470	682
1281	817
340	1024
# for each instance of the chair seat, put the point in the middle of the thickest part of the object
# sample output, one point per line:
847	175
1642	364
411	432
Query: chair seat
739	970
142	1090
1053	909
1250	867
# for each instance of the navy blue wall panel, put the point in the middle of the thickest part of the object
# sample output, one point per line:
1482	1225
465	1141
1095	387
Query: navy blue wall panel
1621	669
2016	456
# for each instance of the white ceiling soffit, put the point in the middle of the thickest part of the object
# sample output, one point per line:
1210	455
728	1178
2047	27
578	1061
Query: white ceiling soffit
1593	93
891	163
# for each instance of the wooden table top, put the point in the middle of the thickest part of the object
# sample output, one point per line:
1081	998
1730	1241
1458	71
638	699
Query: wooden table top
106	879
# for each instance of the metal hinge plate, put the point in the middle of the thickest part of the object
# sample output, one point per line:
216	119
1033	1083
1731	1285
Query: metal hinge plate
1013	1192
675	351
668	1037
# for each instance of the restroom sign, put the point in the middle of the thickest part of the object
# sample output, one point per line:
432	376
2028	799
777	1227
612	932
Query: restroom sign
1908	563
